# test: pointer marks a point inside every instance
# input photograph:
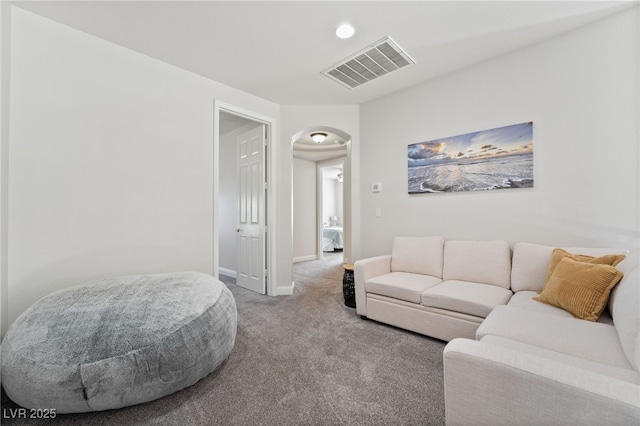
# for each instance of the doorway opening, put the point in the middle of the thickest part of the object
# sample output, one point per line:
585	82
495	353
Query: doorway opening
243	199
330	202
321	222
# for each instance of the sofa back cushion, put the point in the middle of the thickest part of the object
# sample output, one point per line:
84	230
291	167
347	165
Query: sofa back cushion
486	262
419	255
623	305
530	263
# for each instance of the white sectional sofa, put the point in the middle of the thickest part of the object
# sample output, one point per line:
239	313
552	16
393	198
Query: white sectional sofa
510	360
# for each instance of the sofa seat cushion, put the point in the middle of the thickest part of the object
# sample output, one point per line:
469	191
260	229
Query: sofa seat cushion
466	297
524	300
401	285
571	336
628	375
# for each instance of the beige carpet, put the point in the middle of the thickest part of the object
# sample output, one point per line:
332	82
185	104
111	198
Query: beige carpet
305	359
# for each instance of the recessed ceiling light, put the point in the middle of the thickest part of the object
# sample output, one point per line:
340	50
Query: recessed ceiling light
345	31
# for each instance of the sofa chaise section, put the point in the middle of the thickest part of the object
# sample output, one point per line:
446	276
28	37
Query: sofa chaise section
489	384
533	363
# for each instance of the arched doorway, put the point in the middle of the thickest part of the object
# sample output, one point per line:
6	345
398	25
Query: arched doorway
310	158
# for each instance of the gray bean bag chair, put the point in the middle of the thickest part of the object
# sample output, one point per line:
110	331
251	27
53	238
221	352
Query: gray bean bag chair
118	342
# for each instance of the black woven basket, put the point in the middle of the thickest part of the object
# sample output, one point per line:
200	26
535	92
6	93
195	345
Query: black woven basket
348	288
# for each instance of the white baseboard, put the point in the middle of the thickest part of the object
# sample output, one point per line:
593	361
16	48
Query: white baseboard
304	258
227	272
280	291
285	291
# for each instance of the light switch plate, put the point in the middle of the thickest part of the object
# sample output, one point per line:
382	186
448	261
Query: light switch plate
376	187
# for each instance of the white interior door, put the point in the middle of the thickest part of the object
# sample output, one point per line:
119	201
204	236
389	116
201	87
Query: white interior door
251	272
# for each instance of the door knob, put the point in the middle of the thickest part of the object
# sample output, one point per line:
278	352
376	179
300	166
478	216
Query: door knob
237	229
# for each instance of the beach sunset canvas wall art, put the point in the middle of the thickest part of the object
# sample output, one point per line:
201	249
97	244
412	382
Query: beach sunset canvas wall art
500	158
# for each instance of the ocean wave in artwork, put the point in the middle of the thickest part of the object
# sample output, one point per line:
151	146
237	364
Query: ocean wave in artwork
505	172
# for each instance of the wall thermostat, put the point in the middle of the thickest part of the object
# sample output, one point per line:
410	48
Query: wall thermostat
376	187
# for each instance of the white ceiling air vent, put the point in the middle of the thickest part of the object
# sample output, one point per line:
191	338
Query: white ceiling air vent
374	61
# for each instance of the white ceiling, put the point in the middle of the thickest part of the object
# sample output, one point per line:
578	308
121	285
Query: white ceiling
276	50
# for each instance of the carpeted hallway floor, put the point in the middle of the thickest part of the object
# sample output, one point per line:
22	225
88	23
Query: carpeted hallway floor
305	359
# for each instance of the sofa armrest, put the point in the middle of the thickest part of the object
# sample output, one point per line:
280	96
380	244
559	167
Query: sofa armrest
489	385
365	269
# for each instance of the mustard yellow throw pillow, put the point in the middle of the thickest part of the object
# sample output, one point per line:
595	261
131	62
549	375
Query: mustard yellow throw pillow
559	254
580	288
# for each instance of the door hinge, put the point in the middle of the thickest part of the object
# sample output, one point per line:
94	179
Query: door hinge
266	185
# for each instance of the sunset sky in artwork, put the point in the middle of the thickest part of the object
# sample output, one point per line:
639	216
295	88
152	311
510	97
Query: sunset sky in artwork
502	141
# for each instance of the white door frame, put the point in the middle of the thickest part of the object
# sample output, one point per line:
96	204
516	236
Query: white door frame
270	199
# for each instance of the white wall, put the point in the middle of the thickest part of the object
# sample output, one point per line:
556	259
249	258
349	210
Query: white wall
329	204
111	161
305	231
331	200
5	86
581	92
